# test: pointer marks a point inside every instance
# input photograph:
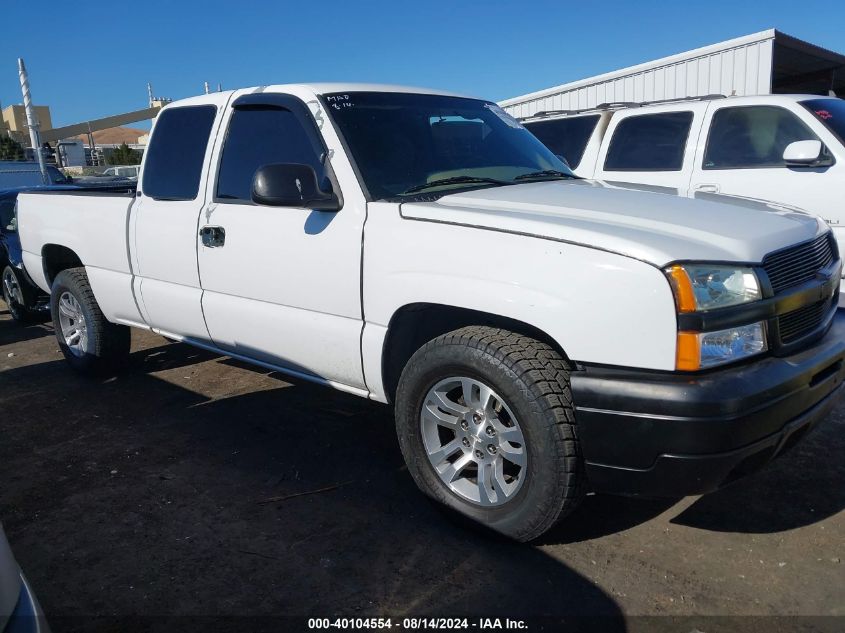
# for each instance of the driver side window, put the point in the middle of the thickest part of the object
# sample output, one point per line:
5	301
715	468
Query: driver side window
258	136
752	136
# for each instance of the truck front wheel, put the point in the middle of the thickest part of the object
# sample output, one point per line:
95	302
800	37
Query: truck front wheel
88	341
486	425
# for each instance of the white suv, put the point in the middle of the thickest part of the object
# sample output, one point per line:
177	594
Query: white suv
788	149
127	171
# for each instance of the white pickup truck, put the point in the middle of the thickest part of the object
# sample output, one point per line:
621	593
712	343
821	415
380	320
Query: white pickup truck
539	335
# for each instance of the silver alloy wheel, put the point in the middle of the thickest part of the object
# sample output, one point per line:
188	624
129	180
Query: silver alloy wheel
473	441
12	289
72	323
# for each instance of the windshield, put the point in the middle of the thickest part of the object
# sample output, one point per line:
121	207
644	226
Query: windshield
831	112
56	177
408	145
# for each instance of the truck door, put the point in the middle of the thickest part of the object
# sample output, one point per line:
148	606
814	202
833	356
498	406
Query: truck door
653	146
742	155
281	285
163	225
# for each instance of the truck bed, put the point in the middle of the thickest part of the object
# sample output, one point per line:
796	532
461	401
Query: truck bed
91	225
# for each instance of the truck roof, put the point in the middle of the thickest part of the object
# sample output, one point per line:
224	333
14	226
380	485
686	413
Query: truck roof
330	87
320	88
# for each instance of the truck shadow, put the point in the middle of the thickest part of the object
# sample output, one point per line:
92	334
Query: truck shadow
802	487
823	485
756	504
13	332
602	515
285	499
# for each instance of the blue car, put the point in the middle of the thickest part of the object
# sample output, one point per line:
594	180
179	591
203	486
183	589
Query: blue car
25	301
19	610
19	173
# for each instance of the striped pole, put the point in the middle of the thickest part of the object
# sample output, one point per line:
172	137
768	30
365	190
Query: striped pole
31	120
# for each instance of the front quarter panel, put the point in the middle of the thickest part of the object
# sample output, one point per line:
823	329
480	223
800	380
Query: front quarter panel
599	306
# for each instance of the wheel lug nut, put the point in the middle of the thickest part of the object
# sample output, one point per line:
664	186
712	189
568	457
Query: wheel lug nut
464	425
479	454
490	431
492	449
465	442
477	417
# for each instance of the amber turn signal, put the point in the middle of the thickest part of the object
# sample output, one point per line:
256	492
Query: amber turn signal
681	284
688	356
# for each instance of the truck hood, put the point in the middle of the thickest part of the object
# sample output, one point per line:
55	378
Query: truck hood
656	227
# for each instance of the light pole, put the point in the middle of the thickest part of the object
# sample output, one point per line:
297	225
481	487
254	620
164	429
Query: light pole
31	120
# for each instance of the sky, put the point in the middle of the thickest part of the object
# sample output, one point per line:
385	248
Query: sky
92	59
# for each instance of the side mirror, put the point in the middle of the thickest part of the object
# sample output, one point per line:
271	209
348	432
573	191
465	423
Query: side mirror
803	154
291	185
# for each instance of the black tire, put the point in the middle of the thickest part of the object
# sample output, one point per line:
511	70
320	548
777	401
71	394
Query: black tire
23	310
533	380
108	344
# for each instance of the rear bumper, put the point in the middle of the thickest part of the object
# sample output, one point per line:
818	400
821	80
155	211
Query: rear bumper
666	434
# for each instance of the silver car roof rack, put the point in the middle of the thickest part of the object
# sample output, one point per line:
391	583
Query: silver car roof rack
619	105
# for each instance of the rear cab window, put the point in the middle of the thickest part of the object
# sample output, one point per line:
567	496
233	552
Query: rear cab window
649	142
56	177
831	113
174	162
747	137
566	137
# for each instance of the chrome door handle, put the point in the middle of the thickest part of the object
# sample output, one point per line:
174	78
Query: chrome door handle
213	236
708	188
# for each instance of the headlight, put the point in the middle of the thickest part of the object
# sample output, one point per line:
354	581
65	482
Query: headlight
703	287
700	350
699	287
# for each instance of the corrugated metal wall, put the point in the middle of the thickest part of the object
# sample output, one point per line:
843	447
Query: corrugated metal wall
744	69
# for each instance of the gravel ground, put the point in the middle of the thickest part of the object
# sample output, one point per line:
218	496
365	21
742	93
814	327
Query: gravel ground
151	495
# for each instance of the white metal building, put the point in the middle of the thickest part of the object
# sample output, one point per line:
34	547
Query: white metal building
763	63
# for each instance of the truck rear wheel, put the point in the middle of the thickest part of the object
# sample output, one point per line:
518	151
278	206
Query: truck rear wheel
88	341
486	424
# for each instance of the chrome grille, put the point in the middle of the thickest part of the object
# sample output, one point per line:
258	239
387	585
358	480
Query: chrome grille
793	266
793	325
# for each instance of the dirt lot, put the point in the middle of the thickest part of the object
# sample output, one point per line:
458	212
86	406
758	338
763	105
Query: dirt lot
146	495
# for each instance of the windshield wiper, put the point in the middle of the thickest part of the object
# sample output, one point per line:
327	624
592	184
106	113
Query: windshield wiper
455	180
545	173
